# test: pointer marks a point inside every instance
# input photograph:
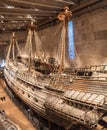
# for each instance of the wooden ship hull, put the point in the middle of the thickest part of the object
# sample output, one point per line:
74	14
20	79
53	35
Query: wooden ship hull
61	106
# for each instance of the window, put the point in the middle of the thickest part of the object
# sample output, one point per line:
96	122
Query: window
32	88
35	99
70	40
28	96
23	92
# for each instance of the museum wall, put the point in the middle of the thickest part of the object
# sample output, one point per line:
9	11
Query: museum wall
90	35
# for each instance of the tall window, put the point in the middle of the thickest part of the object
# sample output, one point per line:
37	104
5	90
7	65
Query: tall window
71	40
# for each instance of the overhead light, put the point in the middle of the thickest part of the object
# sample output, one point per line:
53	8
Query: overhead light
14	21
10	7
28	16
18	27
14	25
50	17
36	9
1	16
20	17
3	29
2	21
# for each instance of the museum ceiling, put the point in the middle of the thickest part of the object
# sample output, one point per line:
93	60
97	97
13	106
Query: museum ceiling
17	14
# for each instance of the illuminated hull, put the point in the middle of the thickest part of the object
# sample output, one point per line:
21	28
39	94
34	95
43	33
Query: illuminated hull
59	106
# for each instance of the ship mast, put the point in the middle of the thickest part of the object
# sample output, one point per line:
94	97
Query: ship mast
13	43
64	17
30	38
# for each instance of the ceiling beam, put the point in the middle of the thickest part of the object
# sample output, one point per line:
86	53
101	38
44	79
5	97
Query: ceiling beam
20	19
15	19
20	11
14	23
84	5
30	4
42	11
101	4
59	3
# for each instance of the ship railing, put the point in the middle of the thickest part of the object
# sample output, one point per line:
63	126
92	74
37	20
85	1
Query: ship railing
60	79
63	110
99	78
11	66
27	77
49	87
92	68
86	99
91	77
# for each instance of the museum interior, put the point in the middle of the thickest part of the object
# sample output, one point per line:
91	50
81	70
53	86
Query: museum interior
53	66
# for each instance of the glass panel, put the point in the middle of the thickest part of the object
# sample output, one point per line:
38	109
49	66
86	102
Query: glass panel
70	40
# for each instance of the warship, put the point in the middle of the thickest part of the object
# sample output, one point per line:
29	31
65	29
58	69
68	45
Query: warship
60	98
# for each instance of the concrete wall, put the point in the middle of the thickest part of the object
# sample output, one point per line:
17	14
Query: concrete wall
90	34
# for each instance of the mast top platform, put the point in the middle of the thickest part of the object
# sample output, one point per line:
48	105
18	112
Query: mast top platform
13	35
66	14
32	26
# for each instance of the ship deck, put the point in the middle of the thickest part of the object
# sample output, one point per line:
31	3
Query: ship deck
12	111
95	86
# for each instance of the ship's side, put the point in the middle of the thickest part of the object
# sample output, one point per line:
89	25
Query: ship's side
59	106
32	93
